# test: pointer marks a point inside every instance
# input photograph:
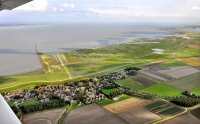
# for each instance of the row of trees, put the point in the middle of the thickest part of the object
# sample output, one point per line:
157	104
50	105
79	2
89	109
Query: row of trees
140	94
43	106
186	101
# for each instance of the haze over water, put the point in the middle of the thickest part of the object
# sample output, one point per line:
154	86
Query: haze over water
17	42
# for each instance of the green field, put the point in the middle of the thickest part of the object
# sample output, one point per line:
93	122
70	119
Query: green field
109	91
172	63
130	83
163	90
110	101
87	61
29	103
196	91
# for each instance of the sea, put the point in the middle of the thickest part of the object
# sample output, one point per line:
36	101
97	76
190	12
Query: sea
17	42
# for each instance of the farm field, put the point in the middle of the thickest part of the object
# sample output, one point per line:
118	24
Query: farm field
109	91
110	101
184	119
197	46
138	115
192	61
45	117
196	113
179	72
196	91
163	90
144	80
173	63
92	114
130	83
125	105
186	83
163	108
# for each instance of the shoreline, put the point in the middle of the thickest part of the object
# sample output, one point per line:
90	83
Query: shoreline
99	46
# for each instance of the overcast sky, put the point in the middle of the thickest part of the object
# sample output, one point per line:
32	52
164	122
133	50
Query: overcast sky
140	11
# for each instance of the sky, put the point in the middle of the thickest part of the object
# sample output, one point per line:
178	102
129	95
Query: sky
133	11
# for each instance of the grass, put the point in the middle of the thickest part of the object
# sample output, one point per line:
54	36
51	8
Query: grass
29	103
187	52
163	90
172	63
75	106
109	91
110	101
88	61
196	91
130	83
20	79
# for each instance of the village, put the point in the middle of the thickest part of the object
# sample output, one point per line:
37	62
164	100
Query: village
86	91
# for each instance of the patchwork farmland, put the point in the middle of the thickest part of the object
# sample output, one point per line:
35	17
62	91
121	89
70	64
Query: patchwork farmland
163	108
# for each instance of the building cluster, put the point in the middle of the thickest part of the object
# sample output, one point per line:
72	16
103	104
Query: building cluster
87	91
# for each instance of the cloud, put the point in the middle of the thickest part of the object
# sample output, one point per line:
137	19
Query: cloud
196	8
68	5
115	11
34	6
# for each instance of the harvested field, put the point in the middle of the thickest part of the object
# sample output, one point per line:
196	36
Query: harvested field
196	112
93	114
125	105
46	117
155	67
178	72
138	116
153	74
193	61
196	46
184	119
186	83
146	82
